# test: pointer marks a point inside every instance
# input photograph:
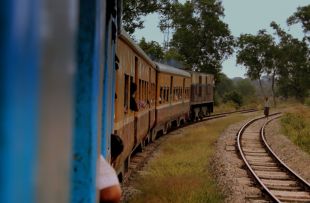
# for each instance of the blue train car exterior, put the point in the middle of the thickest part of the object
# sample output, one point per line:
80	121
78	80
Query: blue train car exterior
56	97
94	98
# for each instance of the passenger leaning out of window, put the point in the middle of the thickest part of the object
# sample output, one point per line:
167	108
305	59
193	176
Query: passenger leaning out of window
107	180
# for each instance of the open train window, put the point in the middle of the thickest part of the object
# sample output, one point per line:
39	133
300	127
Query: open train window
126	93
168	93
161	95
165	95
140	90
133	89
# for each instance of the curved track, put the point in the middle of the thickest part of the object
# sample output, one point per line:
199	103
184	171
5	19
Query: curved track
279	182
138	158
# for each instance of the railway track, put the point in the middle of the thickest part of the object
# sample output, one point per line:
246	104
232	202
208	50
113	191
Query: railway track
138	159
274	177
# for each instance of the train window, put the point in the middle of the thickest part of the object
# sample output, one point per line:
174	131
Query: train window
152	94
160	95
180	93
133	89
145	91
140	88
126	93
165	95
169	91
174	92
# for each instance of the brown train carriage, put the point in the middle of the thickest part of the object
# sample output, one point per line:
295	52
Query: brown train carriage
134	110
201	94
173	94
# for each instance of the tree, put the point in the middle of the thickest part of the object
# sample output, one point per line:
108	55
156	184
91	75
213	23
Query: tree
233	96
134	9
256	54
302	15
293	65
245	88
152	49
224	85
201	37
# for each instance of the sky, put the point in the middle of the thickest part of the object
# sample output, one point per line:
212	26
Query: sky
242	16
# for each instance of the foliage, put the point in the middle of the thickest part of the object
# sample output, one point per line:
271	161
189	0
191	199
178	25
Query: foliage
302	15
239	91
201	37
134	9
255	53
286	61
245	88
224	85
152	49
293	64
307	101
233	96
173	54
297	127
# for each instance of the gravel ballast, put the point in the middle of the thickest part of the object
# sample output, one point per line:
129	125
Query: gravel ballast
228	168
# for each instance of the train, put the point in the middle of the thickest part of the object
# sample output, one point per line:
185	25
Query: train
166	96
70	78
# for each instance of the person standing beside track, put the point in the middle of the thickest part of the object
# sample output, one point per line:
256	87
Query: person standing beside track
266	107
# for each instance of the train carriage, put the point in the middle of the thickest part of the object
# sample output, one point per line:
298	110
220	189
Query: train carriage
172	105
201	94
135	98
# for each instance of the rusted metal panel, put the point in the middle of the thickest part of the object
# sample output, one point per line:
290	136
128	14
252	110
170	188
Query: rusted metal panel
125	131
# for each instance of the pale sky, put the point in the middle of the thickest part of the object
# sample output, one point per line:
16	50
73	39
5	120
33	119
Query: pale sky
242	16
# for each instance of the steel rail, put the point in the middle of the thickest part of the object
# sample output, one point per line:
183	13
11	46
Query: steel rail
239	134
303	181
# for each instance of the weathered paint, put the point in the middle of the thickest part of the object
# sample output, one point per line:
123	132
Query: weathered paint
206	88
108	86
131	126
85	150
18	96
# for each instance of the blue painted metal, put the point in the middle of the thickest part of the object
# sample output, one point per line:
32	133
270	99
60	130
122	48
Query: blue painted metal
109	86
18	97
86	104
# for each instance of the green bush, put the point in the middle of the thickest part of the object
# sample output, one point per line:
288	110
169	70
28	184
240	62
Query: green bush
307	101
233	96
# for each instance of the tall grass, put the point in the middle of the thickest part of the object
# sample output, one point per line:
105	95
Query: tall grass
180	172
296	126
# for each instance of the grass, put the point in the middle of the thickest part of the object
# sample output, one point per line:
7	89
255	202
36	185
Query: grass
181	170
230	106
296	126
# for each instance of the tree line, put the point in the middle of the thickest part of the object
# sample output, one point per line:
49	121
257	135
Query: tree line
280	55
201	41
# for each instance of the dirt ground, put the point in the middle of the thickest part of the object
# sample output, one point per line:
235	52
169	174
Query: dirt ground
229	170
